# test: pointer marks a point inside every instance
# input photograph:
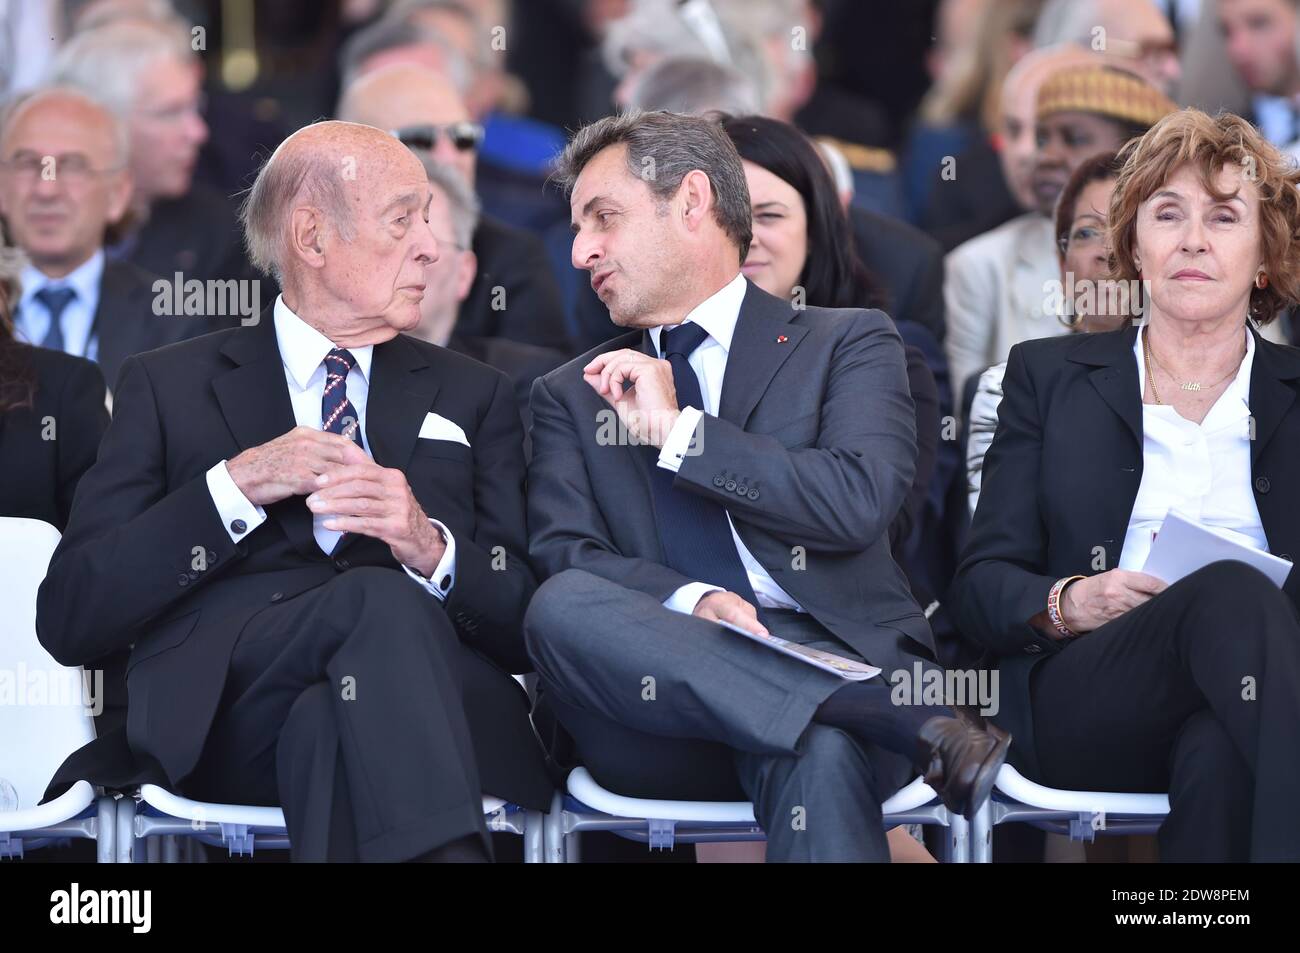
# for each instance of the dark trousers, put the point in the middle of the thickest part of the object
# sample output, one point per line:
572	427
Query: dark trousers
343	705
1195	692
662	704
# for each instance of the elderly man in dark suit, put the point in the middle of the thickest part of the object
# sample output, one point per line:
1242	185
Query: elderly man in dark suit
716	464
312	530
63	180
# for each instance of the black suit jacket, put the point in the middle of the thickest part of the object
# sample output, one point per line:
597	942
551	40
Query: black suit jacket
514	260
522	363
908	264
125	321
196	234
815	422
124	572
41	474
1061	477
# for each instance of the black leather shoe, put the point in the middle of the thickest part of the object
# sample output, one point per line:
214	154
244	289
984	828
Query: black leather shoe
960	762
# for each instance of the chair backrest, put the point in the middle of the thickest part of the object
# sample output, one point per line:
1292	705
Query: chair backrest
43	712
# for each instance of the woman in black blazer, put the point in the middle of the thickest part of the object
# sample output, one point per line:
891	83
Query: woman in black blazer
52	415
1111	680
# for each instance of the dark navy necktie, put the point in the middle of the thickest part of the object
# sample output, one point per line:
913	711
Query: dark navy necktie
55	301
337	414
694	530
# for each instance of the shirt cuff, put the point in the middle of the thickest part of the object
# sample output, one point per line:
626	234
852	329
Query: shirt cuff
685	598
443	579
679	439
239	516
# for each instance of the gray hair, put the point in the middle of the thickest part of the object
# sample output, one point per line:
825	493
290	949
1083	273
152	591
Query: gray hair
729	32
88	15
301	175
672	145
117	128
461	200
390	32
471	12
107	62
695	87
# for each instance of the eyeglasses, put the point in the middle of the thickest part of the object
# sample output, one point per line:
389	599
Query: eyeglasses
171	114
1081	237
463	135
72	167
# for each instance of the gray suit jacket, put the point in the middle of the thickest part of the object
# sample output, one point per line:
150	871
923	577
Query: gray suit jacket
815	423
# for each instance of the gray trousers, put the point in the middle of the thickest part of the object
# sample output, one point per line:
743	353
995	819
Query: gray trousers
662	704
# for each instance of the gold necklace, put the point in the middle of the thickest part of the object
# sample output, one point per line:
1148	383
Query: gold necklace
1184	385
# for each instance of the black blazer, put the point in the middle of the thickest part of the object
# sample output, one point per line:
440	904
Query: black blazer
516	261
1060	479
123	574
196	234
125	322
40	474
907	263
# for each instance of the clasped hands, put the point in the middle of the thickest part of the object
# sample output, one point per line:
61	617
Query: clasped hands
338	479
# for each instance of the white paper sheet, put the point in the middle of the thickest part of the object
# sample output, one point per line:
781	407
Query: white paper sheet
1183	546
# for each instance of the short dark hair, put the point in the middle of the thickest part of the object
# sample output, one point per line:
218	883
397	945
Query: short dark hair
674	146
1103	167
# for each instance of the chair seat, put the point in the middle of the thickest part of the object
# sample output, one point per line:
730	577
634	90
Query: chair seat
1016	786
71	803
584	787
174	805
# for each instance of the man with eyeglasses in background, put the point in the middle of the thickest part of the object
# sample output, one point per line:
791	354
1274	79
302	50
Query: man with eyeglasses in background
148	74
64	180
513	294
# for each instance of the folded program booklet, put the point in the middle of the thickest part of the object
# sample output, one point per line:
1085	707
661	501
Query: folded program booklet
826	661
1183	546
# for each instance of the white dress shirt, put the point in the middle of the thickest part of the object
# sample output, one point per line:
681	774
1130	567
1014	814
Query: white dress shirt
1201	470
33	319
717	315
303	350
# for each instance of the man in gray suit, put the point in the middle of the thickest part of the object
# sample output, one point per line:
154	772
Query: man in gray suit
732	459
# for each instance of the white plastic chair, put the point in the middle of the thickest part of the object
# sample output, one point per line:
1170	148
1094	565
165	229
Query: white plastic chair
40	731
1080	814
152	829
661	824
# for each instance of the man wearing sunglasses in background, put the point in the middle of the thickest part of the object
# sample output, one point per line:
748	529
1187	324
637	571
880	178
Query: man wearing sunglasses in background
514	294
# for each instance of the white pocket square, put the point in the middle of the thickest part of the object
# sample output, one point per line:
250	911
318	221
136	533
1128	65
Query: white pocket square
437	427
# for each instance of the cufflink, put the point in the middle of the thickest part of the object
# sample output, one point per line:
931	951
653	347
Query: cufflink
445	583
238	526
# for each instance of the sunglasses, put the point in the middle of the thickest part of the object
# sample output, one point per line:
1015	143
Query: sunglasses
463	135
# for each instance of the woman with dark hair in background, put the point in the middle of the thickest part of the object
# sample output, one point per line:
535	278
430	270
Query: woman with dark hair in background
803	251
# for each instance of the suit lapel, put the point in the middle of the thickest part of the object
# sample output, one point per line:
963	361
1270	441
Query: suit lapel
1271	396
254	399
402	390
1114	375
117	323
764	338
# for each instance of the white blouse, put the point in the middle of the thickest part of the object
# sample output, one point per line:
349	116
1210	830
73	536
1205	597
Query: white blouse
1201	470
